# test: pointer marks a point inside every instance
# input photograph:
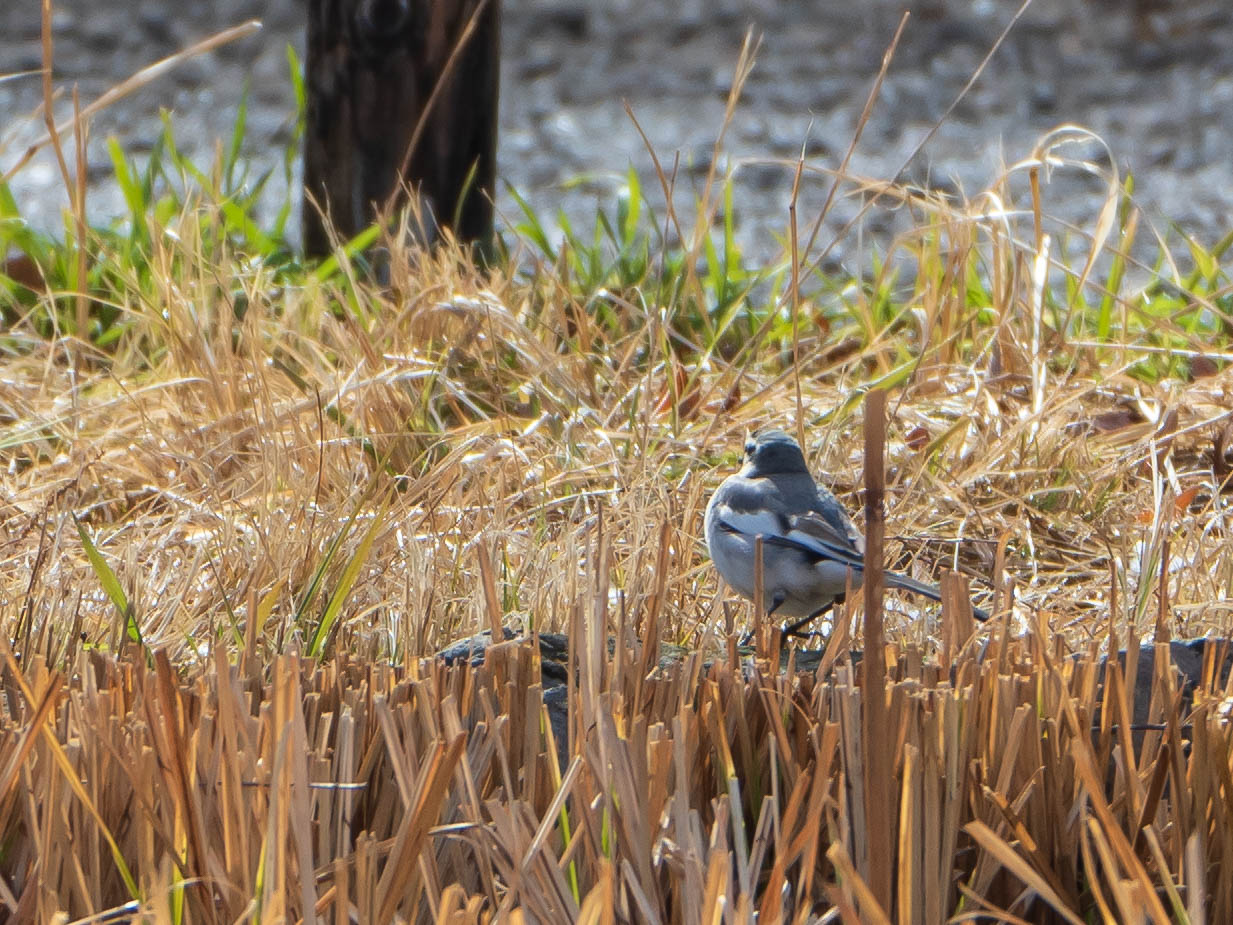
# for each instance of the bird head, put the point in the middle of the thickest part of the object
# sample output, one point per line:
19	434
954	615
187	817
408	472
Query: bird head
772	452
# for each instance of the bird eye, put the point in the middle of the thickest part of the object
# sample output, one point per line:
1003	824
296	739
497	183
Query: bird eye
750	445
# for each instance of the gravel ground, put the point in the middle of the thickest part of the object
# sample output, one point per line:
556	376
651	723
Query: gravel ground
1158	88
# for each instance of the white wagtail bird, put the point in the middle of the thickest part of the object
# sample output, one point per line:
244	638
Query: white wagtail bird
809	544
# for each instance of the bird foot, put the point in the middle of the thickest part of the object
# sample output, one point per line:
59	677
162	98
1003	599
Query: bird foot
797	632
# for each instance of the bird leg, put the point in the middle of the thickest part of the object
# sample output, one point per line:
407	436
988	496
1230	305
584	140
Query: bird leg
776	603
794	629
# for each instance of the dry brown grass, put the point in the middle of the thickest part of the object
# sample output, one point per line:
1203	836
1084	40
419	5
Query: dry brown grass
508	460
215	468
231	540
346	790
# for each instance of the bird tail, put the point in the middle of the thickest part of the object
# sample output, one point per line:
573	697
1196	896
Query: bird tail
903	582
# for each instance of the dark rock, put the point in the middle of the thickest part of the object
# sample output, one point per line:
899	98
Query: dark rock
471	648
557	703
1187	658
157	24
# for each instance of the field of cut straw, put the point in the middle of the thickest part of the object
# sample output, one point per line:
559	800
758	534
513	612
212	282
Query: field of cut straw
245	501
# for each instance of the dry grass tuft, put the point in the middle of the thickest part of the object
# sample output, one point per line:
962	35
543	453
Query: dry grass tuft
346	790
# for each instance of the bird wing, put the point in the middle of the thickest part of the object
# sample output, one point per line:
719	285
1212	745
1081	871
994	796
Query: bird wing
815	533
811	533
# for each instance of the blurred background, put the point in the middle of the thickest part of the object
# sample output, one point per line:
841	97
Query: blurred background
1153	79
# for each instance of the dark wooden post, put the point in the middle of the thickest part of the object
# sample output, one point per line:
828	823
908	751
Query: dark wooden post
401	93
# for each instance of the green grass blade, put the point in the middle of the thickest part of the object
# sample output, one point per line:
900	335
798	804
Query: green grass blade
111	585
316	645
330	266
